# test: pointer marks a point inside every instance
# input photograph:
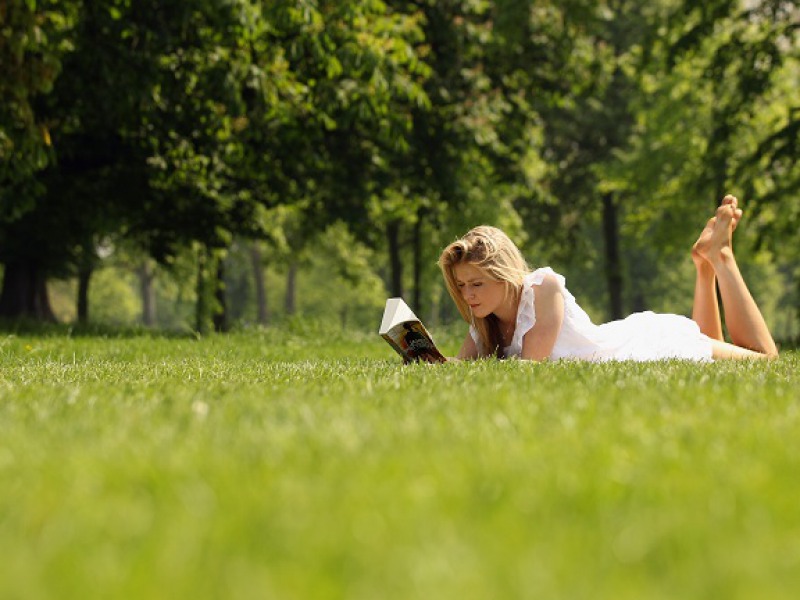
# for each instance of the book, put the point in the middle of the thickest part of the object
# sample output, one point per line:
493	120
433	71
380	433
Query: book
406	333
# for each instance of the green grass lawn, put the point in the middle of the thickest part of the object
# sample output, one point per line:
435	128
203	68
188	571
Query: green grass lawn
297	465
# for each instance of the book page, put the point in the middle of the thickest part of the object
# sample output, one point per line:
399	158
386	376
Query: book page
396	311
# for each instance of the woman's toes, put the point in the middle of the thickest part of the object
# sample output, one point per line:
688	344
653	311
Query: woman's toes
725	212
730	200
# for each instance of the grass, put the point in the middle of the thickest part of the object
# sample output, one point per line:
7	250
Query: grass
294	464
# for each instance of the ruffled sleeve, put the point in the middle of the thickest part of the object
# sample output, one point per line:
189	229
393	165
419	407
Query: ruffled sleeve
526	314
537	277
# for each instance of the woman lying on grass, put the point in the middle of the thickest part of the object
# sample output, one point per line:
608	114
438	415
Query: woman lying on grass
514	312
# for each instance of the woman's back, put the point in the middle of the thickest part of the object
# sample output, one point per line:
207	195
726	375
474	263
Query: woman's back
641	336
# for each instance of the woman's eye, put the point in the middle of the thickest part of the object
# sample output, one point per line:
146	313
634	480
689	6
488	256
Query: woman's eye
477	284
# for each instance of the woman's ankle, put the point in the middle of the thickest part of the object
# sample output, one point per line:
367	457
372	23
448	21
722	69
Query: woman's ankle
704	268
723	260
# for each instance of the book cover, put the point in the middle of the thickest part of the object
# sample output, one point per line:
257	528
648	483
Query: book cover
405	333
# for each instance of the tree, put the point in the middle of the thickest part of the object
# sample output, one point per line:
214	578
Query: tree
356	77
33	41
712	112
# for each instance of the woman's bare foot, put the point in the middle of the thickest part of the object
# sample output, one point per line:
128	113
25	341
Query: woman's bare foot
698	255
716	240
718	232
737	212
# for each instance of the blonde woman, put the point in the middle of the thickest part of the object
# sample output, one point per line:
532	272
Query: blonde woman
514	312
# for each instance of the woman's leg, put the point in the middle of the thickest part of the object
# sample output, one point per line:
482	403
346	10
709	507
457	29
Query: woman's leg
705	309
744	320
724	350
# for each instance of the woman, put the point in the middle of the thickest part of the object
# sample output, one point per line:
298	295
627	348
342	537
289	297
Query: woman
531	315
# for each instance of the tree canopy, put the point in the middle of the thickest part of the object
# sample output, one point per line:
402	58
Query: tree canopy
587	128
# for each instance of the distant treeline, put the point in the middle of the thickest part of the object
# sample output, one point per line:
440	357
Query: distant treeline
600	134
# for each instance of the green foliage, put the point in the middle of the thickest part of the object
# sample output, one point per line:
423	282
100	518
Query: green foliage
162	126
708	123
298	465
113	298
338	284
33	40
341	284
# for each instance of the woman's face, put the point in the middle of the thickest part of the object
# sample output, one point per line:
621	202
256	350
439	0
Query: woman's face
483	294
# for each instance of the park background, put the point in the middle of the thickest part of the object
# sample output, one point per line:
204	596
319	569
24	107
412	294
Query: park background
214	165
274	170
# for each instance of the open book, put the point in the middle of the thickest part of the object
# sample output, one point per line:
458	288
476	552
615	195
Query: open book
406	333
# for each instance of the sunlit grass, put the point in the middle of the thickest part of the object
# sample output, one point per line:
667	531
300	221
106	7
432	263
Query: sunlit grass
300	464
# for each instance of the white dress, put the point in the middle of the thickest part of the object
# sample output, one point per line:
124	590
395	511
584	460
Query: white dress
641	336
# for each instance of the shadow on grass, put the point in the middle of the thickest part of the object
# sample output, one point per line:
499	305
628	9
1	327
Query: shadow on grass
33	328
298	327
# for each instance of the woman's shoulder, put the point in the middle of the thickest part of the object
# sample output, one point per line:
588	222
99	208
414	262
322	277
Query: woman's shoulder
544	276
540	287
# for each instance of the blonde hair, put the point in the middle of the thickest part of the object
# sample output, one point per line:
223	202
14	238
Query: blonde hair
490	250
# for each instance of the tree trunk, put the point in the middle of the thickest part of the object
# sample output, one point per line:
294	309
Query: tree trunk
613	259
291	289
42	303
797	284
395	262
24	293
84	278
202	308
262	309
417	301
146	276
220	313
